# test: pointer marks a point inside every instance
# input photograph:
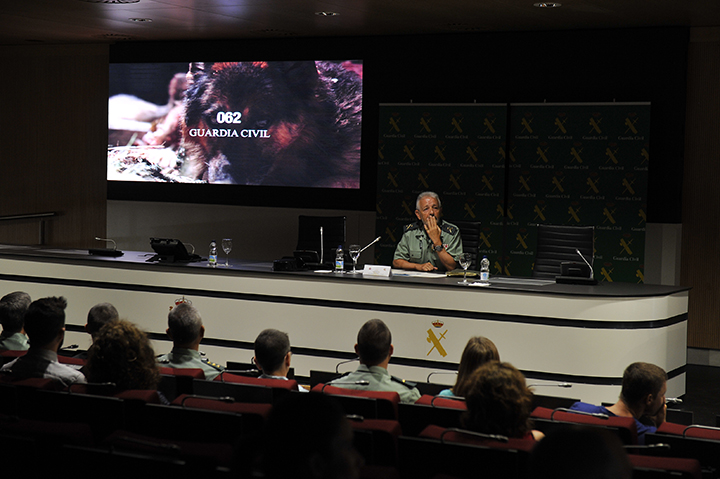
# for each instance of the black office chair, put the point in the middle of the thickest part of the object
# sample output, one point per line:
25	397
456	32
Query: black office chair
556	244
470	235
334	233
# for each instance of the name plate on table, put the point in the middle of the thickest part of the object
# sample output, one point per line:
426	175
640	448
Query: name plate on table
376	270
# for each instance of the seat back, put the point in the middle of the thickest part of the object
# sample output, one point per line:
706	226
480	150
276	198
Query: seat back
470	235
422	458
556	244
695	442
652	467
334	234
415	417
547	420
368	404
376	440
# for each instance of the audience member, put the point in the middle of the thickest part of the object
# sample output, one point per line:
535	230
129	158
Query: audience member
642	396
98	316
577	452
499	402
186	330
374	349
12	317
307	436
45	327
122	355
478	351
272	355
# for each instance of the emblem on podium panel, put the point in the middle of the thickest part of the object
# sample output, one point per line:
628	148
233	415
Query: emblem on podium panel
435	340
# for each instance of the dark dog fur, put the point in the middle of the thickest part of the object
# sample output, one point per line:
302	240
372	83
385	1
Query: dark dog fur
311	111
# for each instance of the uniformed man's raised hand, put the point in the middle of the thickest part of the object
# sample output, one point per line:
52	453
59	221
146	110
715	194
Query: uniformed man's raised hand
433	230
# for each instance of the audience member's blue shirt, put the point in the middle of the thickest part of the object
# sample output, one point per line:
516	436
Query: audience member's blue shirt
642	429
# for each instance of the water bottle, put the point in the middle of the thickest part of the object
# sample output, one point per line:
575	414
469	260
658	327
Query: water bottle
212	256
484	270
339	260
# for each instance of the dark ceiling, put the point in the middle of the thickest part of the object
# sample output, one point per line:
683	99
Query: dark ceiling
26	22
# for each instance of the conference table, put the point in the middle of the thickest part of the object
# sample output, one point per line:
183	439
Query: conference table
556	334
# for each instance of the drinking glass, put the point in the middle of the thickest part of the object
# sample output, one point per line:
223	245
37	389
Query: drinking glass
227	247
464	259
354	251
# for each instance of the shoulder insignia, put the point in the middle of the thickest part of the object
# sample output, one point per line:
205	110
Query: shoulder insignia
215	365
448	228
407	384
411	227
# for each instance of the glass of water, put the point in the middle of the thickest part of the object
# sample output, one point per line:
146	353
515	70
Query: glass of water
227	247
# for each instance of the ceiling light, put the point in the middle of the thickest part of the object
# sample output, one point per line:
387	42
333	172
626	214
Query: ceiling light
327	14
547	5
110	1
147	20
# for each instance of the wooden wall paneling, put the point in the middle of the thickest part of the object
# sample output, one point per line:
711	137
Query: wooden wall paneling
54	124
701	200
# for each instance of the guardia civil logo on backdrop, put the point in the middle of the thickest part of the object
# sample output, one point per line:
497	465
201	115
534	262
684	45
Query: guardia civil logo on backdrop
511	167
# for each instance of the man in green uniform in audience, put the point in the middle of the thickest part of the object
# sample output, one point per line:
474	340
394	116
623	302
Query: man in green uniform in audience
374	348
186	330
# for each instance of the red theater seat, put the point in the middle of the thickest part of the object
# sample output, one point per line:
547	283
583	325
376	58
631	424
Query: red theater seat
368	404
670	467
376	440
189	401
625	427
468	437
438	401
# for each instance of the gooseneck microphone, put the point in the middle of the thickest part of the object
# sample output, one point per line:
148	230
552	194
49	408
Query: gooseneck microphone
322	246
370	244
592	273
361	382
114	252
344	362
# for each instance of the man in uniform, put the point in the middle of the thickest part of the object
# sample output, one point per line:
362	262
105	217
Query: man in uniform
430	243
272	355
45	326
374	348
12	317
186	330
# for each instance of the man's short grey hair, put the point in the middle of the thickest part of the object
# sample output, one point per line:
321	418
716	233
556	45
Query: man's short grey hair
184	323
431	194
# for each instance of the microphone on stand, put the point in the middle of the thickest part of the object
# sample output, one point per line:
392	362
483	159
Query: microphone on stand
361	382
72	346
592	273
114	252
370	244
322	246
558	385
344	362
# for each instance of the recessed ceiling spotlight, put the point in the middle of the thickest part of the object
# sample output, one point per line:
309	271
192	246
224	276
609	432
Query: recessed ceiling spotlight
547	4
146	20
327	14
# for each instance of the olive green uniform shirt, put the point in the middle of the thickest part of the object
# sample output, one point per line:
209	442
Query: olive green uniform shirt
14	342
190	358
415	245
379	379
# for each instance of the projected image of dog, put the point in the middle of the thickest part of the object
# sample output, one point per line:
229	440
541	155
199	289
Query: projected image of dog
274	123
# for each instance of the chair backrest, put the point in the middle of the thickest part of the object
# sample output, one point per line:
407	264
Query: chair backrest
177	381
547	420
696	442
470	235
439	401
415	417
653	467
468	437
368	404
217	404
376	440
334	234
246	388
422	458
556	244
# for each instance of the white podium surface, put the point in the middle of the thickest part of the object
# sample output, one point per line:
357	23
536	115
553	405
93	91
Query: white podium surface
583	335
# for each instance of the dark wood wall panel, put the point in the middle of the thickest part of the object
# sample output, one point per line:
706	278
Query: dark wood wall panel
701	195
53	148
